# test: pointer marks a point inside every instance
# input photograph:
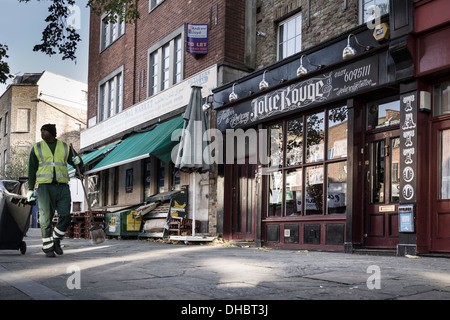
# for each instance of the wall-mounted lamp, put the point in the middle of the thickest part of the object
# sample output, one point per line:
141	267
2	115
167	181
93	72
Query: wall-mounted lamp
208	103
301	71
425	101
233	96
349	51
261	34
263	85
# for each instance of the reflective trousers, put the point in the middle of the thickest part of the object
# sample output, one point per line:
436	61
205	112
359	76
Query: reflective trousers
51	197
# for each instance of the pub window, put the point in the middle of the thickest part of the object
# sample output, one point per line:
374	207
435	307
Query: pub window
395	173
441	99
366	9
129	180
383	114
290	37
307	174
444	164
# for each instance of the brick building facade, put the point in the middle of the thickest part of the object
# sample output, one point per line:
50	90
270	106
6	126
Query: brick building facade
147	63
321	21
226	46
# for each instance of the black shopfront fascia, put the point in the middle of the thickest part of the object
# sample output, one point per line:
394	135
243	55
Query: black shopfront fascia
382	72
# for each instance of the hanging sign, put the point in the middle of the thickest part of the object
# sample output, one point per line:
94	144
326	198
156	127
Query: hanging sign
197	38
408	143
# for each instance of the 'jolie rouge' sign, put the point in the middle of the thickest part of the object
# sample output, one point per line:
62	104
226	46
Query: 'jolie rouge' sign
326	87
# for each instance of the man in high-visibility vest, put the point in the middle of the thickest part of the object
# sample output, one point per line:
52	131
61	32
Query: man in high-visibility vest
47	170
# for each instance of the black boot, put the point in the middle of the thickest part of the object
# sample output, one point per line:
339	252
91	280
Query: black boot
57	248
50	254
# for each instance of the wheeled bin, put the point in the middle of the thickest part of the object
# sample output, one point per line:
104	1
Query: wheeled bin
123	223
15	212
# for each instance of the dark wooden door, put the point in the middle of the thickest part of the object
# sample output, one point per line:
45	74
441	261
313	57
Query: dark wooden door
440	177
244	201
382	160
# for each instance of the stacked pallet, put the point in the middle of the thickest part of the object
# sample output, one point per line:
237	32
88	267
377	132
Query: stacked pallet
182	226
81	223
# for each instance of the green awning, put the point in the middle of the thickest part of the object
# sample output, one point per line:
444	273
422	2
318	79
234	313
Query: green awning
91	156
157	142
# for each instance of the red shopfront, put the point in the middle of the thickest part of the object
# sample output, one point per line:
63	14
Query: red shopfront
364	163
432	60
318	138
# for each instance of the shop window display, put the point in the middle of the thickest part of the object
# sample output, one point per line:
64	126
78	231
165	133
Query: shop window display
308	170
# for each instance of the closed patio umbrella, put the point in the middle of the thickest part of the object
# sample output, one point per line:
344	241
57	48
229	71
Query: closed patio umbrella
191	155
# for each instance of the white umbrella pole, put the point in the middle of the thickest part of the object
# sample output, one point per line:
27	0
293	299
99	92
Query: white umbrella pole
194	207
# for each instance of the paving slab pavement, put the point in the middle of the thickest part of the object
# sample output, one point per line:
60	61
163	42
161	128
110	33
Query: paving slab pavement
135	269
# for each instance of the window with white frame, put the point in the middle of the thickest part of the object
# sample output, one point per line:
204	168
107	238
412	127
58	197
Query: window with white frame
111	95
165	65
110	32
165	81
369	9
154	3
178	54
153	72
290	36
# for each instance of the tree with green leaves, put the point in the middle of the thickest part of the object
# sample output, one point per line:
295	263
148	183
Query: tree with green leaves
16	165
4	67
59	37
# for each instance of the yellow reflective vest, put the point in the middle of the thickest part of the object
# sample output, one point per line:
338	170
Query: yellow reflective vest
49	161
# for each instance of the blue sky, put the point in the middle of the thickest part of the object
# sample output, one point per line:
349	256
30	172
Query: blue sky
21	26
